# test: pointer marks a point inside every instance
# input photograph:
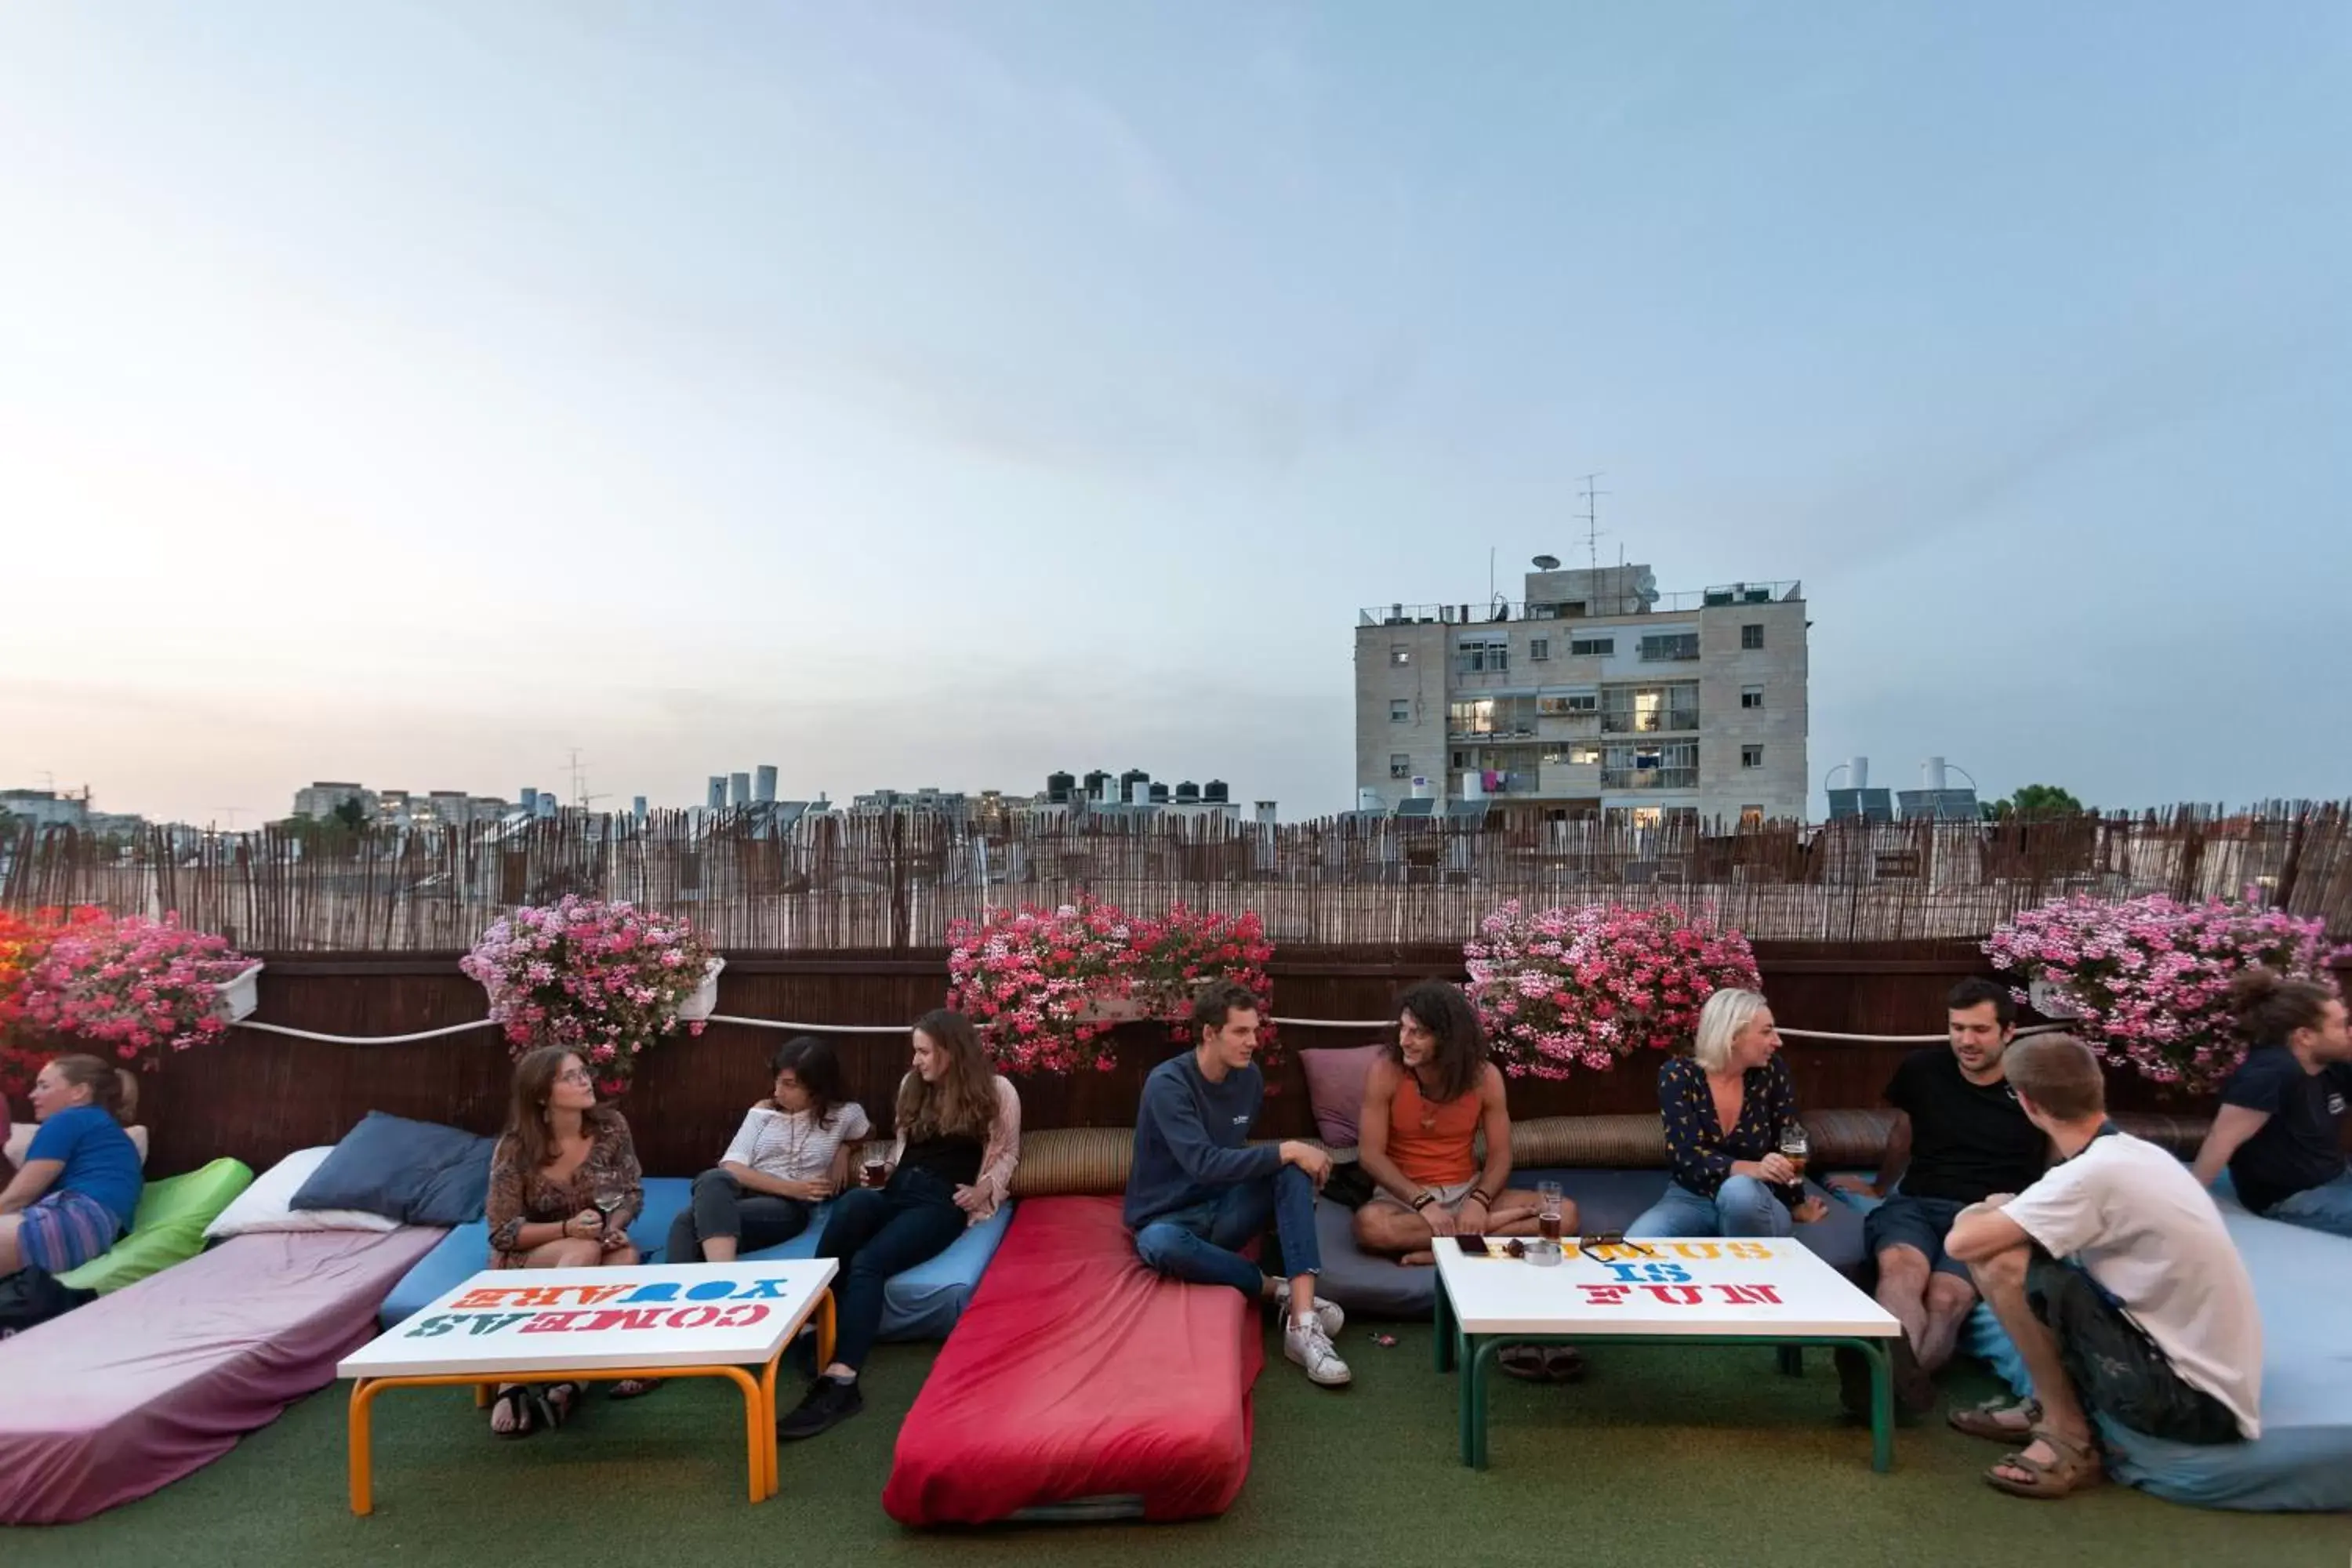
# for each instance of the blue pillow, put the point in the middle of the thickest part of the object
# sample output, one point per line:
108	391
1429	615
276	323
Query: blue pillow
418	1173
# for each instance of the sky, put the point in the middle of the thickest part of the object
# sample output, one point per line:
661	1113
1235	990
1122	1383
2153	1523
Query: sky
948	394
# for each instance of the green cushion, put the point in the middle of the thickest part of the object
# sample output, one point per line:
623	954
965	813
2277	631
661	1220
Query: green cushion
168	1228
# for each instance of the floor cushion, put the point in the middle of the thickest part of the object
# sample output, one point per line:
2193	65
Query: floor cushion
1605	1200
2303	1460
1334	1089
466	1251
1080	1384
168	1228
135	1390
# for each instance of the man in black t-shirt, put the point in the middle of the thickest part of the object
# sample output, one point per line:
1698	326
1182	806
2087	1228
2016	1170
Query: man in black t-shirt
2280	1128
1960	1137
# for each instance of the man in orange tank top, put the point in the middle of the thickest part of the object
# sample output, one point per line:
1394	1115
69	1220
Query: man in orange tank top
1425	1101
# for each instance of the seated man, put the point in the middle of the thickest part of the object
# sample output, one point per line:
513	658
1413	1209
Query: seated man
2280	1128
1425	1101
1958	1137
2118	1282
1198	1192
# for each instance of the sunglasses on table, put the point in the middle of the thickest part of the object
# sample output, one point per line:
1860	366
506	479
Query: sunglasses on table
1612	1238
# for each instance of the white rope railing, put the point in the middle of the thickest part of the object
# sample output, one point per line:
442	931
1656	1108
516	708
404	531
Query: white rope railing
901	1028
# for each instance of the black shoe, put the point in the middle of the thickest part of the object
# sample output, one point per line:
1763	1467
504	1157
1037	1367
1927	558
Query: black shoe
828	1403
1853	1382
1915	1391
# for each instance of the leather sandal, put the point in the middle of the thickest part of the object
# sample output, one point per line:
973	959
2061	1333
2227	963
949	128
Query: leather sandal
2074	1468
1985	1420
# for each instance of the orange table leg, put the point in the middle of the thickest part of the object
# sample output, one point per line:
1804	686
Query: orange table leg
768	1445
362	1453
825	1330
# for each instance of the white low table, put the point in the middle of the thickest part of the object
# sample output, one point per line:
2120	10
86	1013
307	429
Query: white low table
563	1325
1693	1291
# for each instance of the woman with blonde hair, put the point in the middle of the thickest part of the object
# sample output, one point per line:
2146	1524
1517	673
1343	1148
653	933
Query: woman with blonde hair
80	1181
959	1142
1725	1106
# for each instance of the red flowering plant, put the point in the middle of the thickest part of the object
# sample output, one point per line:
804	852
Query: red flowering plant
1576	989
603	980
131	987
1174	957
2146	981
23	942
1047	988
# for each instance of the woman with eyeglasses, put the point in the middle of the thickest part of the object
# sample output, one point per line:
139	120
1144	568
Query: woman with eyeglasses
791	1154
1724	1107
564	1186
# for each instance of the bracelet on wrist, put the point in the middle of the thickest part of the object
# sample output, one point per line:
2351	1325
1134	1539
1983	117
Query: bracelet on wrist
1423	1201
1478	1195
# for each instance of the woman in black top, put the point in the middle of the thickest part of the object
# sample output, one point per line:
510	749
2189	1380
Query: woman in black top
959	1141
1724	1106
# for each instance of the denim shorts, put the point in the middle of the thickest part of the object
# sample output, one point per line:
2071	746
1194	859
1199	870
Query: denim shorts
1920	1223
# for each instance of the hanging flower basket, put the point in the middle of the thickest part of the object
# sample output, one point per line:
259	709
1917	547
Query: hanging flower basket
133	988
2146	981
603	980
239	996
703	1001
1561	991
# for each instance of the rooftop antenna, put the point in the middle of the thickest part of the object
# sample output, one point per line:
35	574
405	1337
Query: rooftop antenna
231	812
1592	522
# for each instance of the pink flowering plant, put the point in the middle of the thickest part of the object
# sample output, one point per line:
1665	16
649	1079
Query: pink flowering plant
131	987
2148	979
603	980
1566	990
1047	988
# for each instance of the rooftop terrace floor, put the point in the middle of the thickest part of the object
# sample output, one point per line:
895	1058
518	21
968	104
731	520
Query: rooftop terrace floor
1700	1456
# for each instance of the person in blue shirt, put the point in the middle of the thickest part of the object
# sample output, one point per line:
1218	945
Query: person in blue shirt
80	1184
1200	1191
2280	1130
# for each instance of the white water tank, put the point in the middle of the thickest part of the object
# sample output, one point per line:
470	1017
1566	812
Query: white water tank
1931	774
1370	800
1420	786
1474	784
763	782
1859	770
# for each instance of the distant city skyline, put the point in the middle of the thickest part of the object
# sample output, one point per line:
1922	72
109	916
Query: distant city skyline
941	394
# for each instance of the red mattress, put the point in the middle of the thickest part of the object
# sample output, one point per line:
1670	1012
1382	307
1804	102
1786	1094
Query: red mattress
1079	1380
135	1390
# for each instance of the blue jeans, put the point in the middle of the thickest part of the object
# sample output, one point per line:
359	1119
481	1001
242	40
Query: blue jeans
876	1234
1202	1243
1744	1207
2327	1206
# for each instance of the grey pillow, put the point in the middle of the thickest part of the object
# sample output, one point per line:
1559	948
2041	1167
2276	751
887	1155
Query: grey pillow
418	1173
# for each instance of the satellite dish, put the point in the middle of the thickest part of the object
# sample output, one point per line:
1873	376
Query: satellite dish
1547	562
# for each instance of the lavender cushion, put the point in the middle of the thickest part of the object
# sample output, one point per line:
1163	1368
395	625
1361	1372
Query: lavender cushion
1335	1088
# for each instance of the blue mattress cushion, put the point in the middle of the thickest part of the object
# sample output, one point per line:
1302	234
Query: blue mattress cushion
1605	1200
2303	1460
924	1303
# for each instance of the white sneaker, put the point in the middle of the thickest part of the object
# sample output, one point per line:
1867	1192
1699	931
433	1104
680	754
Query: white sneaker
1310	1347
1328	1316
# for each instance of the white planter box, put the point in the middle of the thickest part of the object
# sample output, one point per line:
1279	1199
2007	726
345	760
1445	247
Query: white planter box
705	1000
240	997
2051	1002
1112	1009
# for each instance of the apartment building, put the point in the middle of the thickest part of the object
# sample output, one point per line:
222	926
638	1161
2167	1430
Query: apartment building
1594	697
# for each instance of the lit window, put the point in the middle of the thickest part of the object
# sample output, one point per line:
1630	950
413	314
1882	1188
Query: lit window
1752	635
1751	817
1400	655
1751	756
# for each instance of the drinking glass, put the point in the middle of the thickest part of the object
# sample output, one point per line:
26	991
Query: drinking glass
1795	1147
608	1202
1547	1211
877	1167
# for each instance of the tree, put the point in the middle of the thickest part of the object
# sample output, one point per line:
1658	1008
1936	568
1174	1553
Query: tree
352	814
2035	800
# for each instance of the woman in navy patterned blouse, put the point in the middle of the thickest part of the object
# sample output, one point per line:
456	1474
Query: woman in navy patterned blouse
1724	1106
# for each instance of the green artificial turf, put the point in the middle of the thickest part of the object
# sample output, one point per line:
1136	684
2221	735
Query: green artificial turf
1665	1456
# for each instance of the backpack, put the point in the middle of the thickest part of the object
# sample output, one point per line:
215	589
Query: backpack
31	1296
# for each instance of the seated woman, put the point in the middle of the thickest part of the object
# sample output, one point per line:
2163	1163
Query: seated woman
564	1185
1725	1105
791	1154
1424	1102
78	1186
959	1142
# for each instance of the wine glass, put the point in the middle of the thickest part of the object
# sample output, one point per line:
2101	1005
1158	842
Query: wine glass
1795	1147
608	1202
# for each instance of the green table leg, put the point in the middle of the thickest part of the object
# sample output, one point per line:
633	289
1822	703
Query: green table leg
1881	1407
1479	1355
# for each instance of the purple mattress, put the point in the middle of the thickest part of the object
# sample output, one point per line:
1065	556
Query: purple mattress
138	1388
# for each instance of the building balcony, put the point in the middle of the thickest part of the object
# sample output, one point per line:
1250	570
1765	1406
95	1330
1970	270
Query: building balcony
1649	778
1661	722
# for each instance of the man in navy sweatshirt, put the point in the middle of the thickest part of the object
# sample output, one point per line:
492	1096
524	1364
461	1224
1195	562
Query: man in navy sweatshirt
1199	1191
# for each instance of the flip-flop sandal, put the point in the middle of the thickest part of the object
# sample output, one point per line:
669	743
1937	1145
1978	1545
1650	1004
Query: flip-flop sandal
523	1406
1984	1420
632	1387
1543	1364
2075	1468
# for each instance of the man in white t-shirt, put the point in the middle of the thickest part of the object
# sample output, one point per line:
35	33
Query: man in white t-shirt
2117	1280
